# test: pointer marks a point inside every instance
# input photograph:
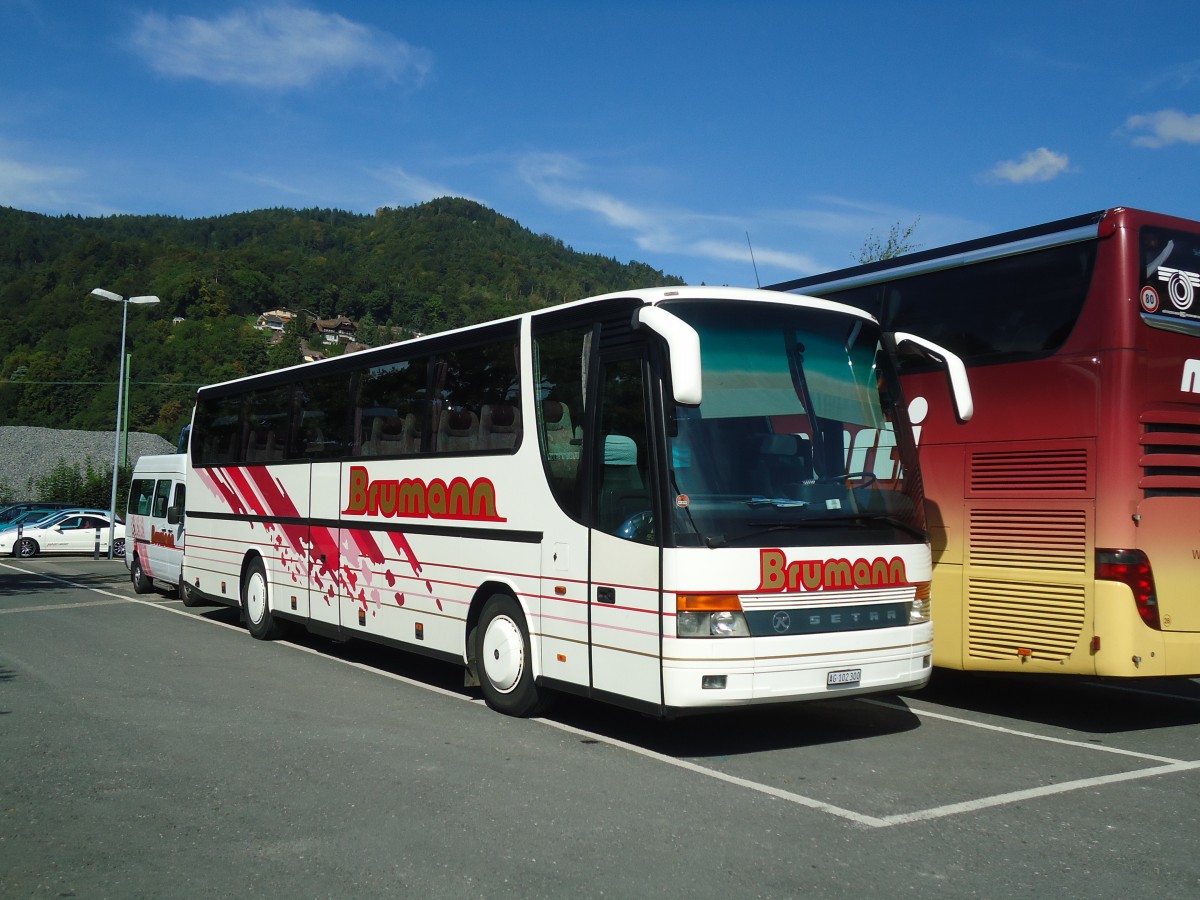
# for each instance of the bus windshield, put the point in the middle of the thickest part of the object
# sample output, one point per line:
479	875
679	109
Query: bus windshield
797	431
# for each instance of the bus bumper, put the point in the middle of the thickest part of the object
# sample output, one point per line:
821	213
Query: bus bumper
778	670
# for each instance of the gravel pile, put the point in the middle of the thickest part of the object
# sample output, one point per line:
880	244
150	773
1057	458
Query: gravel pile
27	454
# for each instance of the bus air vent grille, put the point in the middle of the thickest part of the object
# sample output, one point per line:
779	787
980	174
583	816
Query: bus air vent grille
1170	457
1005	619
1053	470
1049	540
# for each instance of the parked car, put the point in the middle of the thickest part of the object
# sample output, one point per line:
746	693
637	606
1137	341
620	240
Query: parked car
42	518
74	534
10	512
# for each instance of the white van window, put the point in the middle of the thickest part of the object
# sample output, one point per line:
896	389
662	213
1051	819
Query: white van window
161	495
141	495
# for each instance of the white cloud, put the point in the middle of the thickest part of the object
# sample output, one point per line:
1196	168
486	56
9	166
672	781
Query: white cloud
556	180
34	187
1036	165
765	256
279	46
1176	77
1167	126
413	188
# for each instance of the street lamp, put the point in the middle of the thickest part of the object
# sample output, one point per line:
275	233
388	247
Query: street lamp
124	301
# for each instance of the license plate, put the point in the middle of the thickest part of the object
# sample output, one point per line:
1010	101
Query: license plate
843	676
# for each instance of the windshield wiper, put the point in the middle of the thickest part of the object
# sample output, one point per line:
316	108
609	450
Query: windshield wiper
777	502
721	540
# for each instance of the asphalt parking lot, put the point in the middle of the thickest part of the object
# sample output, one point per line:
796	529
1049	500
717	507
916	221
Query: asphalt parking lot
976	786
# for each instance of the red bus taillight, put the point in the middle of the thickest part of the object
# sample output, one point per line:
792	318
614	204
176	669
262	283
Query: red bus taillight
1131	568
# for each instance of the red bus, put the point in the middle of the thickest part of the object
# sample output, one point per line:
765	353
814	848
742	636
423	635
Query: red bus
1065	517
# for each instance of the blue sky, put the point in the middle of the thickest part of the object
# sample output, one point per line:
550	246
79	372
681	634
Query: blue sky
663	132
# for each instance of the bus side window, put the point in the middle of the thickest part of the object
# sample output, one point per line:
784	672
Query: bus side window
559	372
623	505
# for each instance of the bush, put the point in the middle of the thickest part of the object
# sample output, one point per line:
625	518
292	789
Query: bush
85	487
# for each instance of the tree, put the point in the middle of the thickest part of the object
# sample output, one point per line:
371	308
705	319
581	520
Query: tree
290	349
424	268
89	487
897	244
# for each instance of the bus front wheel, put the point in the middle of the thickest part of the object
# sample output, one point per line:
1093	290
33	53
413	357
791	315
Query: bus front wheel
504	660
256	605
185	593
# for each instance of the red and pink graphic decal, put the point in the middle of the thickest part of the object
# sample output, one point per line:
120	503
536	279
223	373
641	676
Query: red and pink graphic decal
314	555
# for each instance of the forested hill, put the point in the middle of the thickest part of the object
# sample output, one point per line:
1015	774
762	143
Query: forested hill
442	264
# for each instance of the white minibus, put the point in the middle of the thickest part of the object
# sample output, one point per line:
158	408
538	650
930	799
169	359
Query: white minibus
154	523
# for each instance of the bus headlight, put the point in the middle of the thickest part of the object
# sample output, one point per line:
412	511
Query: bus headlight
728	624
709	615
691	624
922	606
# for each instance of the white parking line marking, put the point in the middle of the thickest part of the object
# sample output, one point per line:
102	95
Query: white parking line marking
25	609
1170	767
1048	790
1099	748
778	793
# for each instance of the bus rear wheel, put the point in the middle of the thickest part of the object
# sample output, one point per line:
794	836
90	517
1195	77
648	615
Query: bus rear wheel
256	604
504	660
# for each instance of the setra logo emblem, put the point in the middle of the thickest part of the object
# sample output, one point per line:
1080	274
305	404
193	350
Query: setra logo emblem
1181	286
781	622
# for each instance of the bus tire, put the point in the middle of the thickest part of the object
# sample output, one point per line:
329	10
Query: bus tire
256	604
186	596
141	584
504	660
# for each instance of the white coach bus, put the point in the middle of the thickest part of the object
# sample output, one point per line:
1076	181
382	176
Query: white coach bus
671	499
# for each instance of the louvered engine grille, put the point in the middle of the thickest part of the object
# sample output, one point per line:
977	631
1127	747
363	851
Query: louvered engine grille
1052	470
1170	453
1048	540
1004	618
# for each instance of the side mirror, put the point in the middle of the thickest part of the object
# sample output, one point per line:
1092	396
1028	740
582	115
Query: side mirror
956	371
683	348
173	515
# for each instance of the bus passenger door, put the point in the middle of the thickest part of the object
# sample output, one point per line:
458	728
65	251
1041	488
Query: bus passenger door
324	557
624	591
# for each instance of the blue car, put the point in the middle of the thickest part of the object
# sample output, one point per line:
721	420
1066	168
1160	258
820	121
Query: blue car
12	511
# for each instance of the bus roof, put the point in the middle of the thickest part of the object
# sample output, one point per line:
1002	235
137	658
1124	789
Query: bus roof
648	296
1008	243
